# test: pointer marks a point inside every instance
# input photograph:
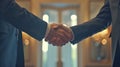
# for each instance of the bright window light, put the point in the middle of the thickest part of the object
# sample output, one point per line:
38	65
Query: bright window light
46	17
73	20
45	44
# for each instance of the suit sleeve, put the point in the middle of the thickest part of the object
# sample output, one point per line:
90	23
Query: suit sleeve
97	24
24	20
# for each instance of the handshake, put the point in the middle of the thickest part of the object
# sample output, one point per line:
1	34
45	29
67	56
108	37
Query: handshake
58	34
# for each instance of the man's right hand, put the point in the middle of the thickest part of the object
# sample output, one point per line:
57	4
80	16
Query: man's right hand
58	34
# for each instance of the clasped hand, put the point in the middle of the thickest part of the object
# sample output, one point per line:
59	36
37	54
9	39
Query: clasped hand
58	34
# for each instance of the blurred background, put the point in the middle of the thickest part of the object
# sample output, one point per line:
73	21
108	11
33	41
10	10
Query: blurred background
94	51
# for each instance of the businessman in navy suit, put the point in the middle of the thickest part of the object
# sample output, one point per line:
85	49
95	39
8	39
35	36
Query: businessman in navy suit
108	15
13	20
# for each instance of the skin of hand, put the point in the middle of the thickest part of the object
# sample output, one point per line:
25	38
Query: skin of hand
59	34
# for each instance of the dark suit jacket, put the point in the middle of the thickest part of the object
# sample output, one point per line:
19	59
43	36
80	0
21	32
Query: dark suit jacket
11	48
12	18
109	14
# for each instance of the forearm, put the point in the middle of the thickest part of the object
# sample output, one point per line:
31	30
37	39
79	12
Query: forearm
26	21
87	29
97	24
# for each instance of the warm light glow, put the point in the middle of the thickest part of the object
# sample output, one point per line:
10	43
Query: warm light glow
45	46
73	20
104	32
46	17
74	46
104	42
100	35
26	42
73	17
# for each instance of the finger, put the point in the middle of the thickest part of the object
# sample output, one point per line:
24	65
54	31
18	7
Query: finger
53	41
61	42
68	31
64	34
58	42
50	35
52	31
62	37
65	28
58	35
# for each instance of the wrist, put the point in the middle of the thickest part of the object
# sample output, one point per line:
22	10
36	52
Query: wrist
47	30
72	34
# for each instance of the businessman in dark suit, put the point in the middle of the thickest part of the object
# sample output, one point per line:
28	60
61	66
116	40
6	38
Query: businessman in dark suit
109	14
13	20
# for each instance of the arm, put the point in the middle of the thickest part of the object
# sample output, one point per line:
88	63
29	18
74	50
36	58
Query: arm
97	24
27	22
23	20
